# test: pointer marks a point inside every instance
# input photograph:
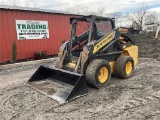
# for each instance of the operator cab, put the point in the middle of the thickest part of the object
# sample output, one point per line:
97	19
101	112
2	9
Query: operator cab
86	30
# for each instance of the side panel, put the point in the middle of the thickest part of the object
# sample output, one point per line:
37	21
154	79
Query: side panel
133	52
112	64
103	42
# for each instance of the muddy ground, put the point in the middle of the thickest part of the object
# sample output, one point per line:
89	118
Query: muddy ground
135	98
148	47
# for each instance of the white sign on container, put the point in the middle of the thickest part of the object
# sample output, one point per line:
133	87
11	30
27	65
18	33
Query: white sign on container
29	29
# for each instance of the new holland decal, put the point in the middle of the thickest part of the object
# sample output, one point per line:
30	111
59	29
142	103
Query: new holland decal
103	42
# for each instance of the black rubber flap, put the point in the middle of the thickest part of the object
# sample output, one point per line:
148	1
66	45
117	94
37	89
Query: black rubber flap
58	84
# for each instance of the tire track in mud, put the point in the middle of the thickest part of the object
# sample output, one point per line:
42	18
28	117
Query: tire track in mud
84	107
21	101
127	109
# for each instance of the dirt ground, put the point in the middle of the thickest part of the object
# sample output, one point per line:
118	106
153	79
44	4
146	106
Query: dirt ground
148	47
135	98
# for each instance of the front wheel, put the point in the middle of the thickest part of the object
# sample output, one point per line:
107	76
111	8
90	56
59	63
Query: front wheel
98	73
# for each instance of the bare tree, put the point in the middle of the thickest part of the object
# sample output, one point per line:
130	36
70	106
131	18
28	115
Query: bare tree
138	15
135	25
27	4
151	18
14	2
34	4
100	11
117	16
83	10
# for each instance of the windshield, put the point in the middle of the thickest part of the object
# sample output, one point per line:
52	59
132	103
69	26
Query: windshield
103	27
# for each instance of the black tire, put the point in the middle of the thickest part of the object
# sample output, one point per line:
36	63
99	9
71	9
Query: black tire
93	72
120	69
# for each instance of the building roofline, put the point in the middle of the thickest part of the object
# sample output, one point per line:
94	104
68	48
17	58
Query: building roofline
7	7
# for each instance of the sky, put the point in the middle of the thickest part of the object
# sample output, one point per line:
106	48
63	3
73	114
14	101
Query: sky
111	6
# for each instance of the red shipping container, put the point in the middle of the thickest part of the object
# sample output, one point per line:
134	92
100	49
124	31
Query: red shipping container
59	29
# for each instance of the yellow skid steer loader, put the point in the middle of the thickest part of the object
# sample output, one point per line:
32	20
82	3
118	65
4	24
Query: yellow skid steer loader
92	55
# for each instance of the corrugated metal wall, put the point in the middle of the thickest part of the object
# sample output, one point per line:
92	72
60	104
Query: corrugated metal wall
59	29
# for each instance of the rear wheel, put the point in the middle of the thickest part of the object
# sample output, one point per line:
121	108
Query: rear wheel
124	67
98	73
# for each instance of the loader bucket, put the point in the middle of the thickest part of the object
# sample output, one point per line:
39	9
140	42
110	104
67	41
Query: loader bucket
58	84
